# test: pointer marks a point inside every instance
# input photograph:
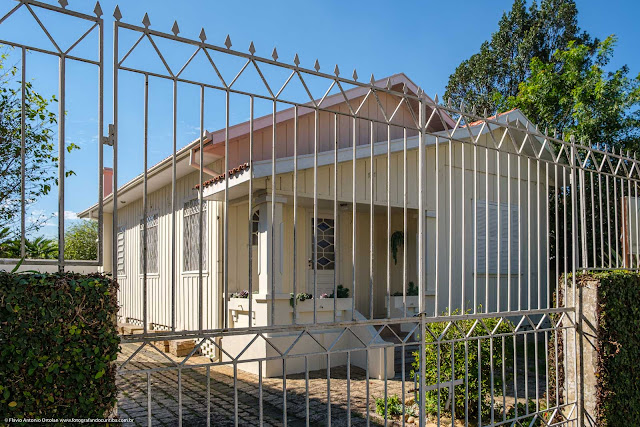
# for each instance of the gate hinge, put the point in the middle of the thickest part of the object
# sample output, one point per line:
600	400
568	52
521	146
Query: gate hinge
109	139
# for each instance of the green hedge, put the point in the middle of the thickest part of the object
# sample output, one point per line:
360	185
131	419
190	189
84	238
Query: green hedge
618	370
58	341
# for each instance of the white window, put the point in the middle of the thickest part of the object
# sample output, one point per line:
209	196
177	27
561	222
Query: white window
325	247
633	222
255	224
152	244
120	251
191	236
508	245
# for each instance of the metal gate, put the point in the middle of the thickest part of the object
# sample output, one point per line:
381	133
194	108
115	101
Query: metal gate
336	250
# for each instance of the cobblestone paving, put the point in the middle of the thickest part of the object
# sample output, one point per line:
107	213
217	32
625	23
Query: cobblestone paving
133	398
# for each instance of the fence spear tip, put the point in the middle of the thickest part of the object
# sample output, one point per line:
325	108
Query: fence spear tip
355	75
117	14
203	35
63	3
252	48
435	99
296	60
336	70
97	10
175	29
227	42
372	80
145	21
316	65
274	54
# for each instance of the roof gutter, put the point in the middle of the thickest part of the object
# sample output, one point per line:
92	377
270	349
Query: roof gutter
196	165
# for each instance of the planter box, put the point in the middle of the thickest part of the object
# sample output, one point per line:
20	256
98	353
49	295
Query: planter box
323	304
413	302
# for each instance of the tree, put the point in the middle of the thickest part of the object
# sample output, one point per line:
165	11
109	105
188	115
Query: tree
40	247
80	241
41	157
576	96
496	71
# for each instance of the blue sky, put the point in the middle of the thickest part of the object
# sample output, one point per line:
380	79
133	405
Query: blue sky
424	39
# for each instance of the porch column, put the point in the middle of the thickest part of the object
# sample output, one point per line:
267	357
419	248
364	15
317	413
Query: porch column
270	244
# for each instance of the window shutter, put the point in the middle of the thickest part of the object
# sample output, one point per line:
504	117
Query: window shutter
506	246
120	252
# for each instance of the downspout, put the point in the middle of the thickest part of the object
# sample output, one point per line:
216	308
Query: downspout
193	162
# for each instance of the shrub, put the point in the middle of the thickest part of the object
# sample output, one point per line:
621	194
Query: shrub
59	341
617	346
438	351
342	292
81	240
394	406
618	314
241	294
302	296
412	291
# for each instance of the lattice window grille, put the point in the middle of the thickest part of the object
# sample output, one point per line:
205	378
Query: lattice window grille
120	251
191	240
326	255
152	244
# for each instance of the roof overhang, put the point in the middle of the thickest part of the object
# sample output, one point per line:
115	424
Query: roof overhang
238	184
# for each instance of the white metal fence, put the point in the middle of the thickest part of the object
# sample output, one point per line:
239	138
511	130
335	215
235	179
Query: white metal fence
348	225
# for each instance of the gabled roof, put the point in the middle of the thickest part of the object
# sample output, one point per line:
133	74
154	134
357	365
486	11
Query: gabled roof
160	174
213	189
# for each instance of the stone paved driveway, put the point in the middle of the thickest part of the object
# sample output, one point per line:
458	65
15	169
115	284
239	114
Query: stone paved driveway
132	402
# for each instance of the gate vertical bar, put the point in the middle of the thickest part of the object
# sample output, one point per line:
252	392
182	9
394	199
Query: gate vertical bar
101	147
145	208
421	302
114	229
250	215
201	210
23	154
174	195
61	157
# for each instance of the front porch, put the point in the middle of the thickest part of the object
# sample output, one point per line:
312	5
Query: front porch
282	248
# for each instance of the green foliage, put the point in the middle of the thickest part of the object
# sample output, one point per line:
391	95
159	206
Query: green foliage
412	291
394	406
438	353
575	96
59	342
503	62
397	240
529	408
618	312
302	296
81	240
38	248
342	292
41	156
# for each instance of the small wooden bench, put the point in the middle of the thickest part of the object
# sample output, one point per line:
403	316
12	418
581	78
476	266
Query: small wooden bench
181	348
129	329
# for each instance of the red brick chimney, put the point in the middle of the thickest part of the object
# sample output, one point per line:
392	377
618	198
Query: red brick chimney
107	181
